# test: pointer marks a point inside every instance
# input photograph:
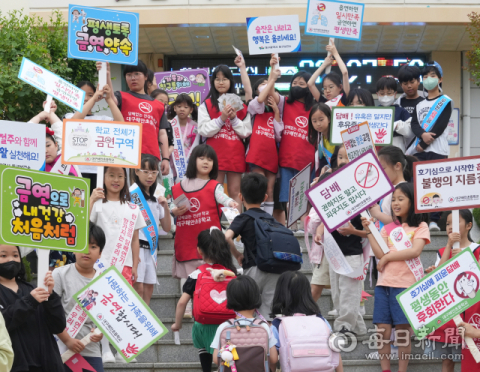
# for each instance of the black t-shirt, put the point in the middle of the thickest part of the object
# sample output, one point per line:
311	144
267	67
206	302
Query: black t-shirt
350	245
410	104
244	225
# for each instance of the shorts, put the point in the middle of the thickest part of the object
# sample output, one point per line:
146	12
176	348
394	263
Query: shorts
147	272
266	283
127	274
443	351
203	335
321	275
276	197
387	309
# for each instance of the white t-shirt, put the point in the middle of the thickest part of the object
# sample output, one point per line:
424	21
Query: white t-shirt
110	219
272	341
439	256
157	212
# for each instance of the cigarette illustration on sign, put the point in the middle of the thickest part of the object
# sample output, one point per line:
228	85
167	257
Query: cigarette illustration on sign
366	175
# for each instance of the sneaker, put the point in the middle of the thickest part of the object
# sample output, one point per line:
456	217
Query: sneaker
362	310
119	359
108	357
300	231
188	311
333	312
344	330
433	226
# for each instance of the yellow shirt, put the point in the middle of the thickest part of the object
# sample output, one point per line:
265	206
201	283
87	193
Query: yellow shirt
6	351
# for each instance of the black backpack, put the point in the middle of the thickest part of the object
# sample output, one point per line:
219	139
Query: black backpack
278	249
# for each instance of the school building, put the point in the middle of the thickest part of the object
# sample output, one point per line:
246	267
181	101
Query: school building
177	34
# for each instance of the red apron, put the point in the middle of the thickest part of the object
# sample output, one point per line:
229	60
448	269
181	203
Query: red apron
262	150
148	113
204	213
226	143
295	150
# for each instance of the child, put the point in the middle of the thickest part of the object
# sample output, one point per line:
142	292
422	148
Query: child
32	315
243	296
334	92
150	83
293	296
386	92
160	95
409	78
142	192
395	274
215	251
318	134
247	86
225	130
471	326
69	280
6	351
360	97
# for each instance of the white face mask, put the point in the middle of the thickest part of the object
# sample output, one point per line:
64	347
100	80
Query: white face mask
386	100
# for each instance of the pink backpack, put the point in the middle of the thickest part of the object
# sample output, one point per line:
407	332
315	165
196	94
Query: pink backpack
304	344
315	252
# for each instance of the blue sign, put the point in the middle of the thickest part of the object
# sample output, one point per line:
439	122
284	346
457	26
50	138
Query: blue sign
104	35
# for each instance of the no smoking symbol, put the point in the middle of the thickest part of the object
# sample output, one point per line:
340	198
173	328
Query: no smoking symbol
367	175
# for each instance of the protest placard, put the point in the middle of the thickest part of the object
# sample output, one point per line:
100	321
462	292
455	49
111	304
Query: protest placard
195	83
357	140
443	294
337	19
119	312
380	120
448	184
102	143
297	201
453	128
44	210
349	191
49	83
22	145
273	34
106	35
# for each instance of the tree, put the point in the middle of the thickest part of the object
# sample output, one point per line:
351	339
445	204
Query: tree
473	55
44	43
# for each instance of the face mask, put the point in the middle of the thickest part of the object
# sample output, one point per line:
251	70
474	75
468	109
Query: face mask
298	92
261	88
10	270
430	83
386	100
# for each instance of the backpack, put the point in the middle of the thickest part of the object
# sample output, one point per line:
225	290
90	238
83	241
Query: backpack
251	341
210	297
278	250
304	344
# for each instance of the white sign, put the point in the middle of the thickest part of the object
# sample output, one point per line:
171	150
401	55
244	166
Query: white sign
119	312
380	120
275	34
357	140
22	145
453	128
101	143
52	84
297	201
349	191
444	185
337	19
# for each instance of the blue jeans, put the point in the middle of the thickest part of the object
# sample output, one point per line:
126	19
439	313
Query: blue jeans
386	308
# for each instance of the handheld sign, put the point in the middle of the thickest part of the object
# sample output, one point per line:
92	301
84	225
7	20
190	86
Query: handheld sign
22	145
453	128
119	312
106	35
44	210
51	84
349	191
274	34
101	143
337	19
195	83
298	202
449	184
380	121
357	140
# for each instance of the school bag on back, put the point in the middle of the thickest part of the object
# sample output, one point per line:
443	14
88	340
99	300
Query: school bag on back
304	344
251	341
210	297
277	248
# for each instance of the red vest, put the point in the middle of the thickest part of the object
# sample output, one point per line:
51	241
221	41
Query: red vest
147	113
262	150
226	143
204	213
295	150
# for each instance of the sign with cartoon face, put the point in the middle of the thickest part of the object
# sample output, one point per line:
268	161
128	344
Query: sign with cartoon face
446	292
444	185
106	35
44	210
337	19
380	122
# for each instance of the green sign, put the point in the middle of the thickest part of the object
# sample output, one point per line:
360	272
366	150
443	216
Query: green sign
44	210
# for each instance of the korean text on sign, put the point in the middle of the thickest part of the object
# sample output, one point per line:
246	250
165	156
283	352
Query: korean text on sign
298	202
357	140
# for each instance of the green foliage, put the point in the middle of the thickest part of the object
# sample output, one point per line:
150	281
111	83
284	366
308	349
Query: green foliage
476	216
44	43
28	269
473	56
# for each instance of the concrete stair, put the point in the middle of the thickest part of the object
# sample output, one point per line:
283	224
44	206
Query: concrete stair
165	356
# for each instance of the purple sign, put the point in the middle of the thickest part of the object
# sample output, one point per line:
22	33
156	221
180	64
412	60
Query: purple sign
195	83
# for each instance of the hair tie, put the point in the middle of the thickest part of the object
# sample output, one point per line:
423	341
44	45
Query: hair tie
49	131
213	228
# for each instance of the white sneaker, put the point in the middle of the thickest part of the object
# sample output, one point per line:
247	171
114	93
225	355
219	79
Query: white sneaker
433	226
108	357
119	358
362	310
333	312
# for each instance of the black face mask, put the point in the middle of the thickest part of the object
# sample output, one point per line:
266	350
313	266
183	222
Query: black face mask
10	269
298	92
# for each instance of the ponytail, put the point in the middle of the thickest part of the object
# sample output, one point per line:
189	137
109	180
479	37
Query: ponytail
215	248
393	155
